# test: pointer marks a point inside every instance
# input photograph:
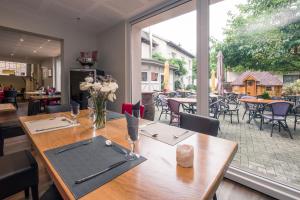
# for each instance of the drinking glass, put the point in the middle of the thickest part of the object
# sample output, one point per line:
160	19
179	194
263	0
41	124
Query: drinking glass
132	138
75	112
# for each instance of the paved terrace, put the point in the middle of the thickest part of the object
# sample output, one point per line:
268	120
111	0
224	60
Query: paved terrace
277	157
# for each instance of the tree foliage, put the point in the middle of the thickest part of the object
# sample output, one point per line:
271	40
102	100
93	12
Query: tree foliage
159	57
265	35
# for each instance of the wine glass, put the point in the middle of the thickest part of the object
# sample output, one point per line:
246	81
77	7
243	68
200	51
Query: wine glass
75	112
132	138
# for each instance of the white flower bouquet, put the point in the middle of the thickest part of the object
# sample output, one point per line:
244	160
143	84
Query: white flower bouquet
102	89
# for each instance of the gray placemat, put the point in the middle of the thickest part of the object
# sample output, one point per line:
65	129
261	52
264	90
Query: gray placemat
85	160
165	133
110	115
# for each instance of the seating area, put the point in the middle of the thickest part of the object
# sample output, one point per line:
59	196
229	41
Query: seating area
267	134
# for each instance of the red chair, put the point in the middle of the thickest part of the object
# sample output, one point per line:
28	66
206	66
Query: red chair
128	108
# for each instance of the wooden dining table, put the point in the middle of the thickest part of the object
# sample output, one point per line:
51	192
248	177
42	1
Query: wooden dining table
45	97
8	113
159	177
261	101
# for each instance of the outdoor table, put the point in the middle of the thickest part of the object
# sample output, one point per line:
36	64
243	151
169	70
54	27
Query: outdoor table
261	102
159	177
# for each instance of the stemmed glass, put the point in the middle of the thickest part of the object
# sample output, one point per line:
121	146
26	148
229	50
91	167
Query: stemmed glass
75	112
132	139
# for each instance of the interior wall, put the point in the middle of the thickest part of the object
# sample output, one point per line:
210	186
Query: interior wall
112	59
17	82
74	40
47	64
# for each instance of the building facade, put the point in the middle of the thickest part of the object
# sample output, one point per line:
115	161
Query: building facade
153	70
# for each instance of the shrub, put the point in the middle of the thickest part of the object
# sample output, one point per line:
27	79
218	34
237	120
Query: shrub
178	85
292	88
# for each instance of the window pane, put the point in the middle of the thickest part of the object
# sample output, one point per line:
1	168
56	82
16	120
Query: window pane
144	76
154	76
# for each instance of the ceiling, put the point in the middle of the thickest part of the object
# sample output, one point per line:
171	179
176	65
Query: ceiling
94	15
16	44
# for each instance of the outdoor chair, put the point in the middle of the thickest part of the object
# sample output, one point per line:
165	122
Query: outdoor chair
10	96
214	109
229	109
174	111
201	124
296	110
278	117
252	109
164	106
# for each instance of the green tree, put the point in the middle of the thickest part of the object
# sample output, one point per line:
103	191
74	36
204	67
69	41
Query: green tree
179	64
159	57
265	35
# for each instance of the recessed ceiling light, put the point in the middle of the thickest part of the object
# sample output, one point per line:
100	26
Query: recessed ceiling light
49	40
41	47
34	51
21	40
12	54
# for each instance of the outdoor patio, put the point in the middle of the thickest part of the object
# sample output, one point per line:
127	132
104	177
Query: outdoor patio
277	157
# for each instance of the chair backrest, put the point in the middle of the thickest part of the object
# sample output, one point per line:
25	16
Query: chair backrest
280	108
34	107
10	93
163	100
174	106
201	124
127	107
57	108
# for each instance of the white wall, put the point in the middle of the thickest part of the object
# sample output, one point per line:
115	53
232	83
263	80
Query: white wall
74	40
112	59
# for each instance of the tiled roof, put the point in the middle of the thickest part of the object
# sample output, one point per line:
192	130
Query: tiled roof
263	78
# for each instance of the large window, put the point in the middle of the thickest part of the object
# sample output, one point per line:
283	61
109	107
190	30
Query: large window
13	68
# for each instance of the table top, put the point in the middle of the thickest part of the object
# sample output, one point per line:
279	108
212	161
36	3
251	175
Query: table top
157	178
261	101
185	100
7	107
35	93
40	97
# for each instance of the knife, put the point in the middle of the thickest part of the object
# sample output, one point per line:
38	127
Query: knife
101	172
45	129
75	146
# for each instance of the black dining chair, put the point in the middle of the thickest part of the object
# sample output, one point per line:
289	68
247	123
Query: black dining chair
278	117
164	106
57	108
34	107
10	96
201	124
296	110
9	130
19	172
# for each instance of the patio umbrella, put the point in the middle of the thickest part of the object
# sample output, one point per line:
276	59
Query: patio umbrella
220	73
213	81
166	75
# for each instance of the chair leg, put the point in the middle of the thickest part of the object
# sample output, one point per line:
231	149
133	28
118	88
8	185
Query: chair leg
231	117
244	114
1	146
35	192
26	191
215	197
272	128
261	123
295	122
160	114
238	117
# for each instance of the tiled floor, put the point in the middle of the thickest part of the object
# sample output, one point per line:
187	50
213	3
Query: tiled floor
277	157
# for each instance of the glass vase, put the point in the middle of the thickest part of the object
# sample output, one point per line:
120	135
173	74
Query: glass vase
99	113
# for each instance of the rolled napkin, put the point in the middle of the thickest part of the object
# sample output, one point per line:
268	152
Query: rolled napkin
132	126
136	109
185	155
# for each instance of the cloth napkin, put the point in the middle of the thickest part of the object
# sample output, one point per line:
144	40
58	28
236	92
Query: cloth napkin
132	126
136	109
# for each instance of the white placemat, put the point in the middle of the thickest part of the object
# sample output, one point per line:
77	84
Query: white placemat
165	133
50	124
